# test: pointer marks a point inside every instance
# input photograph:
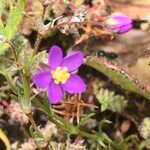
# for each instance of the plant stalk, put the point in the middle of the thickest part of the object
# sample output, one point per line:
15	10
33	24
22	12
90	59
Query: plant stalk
37	43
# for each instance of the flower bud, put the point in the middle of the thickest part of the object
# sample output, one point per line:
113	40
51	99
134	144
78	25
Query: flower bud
119	23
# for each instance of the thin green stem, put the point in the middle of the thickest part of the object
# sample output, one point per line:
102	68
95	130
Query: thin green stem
15	56
68	127
26	88
13	49
93	137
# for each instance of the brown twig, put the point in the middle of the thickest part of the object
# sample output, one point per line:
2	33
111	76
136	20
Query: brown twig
31	119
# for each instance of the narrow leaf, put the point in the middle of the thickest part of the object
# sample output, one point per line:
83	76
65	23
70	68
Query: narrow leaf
14	19
118	75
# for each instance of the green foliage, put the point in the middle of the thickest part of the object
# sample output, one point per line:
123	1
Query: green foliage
101	123
39	57
21	45
25	54
118	75
14	19
109	100
124	144
144	144
38	137
26	105
2	6
7	73
85	119
99	137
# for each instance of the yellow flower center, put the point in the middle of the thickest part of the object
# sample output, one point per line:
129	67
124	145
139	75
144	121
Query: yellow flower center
111	21
60	75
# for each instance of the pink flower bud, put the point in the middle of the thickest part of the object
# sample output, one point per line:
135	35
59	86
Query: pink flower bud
119	23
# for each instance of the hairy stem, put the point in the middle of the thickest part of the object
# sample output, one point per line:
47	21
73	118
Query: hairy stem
37	43
31	119
68	127
14	50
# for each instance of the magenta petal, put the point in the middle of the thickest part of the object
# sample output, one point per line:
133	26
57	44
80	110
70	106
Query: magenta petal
73	61
74	84
55	93
42	79
122	22
124	29
55	56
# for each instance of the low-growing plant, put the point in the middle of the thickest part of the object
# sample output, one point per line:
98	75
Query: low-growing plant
39	80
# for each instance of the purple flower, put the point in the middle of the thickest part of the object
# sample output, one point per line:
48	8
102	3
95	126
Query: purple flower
119	23
60	76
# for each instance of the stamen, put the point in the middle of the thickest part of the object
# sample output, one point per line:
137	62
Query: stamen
60	75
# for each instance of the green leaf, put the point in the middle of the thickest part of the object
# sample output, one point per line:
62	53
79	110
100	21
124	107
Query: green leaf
37	102
131	137
9	81
38	137
144	144
101	123
14	19
2	6
26	105
118	75
3	46
103	139
109	100
22	47
21	4
37	58
85	119
31	130
15	97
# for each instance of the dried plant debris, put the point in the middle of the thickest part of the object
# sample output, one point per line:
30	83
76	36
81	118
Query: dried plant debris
118	75
71	24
